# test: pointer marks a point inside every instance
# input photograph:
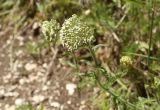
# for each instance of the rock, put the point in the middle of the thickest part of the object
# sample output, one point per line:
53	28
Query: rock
2	92
38	98
83	107
22	81
10	108
21	40
70	87
44	88
19	53
11	94
20	65
36	25
45	66
83	102
9	41
11	88
48	83
69	102
19	102
55	104
30	66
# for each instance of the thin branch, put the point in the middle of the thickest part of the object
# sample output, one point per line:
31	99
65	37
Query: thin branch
51	64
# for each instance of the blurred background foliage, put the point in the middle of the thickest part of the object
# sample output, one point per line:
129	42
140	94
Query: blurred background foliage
122	25
127	21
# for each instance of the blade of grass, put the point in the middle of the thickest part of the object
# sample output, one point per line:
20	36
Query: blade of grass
144	56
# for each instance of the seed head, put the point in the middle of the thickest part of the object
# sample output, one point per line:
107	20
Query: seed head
50	29
75	33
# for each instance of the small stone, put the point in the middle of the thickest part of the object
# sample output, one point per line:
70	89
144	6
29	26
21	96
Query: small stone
38	98
19	53
87	12
82	107
7	106
55	104
69	102
19	101
8	94
39	73
11	94
45	65
15	94
21	43
22	81
30	66
62	107
70	87
36	25
10	107
20	38
32	78
9	76
20	65
2	92
96	90
44	88
48	83
12	88
9	41
83	102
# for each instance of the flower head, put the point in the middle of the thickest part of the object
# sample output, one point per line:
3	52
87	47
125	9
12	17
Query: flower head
50	29
75	33
125	61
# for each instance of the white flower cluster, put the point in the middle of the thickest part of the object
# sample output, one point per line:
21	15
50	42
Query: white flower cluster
50	29
75	33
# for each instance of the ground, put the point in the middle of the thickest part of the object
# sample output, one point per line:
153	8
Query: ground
25	78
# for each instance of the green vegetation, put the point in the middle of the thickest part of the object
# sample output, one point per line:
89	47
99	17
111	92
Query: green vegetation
27	106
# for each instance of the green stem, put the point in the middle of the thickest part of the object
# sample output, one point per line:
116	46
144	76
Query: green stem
93	55
77	70
76	62
112	93
151	30
143	56
157	98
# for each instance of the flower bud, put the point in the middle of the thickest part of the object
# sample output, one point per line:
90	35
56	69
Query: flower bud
125	61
